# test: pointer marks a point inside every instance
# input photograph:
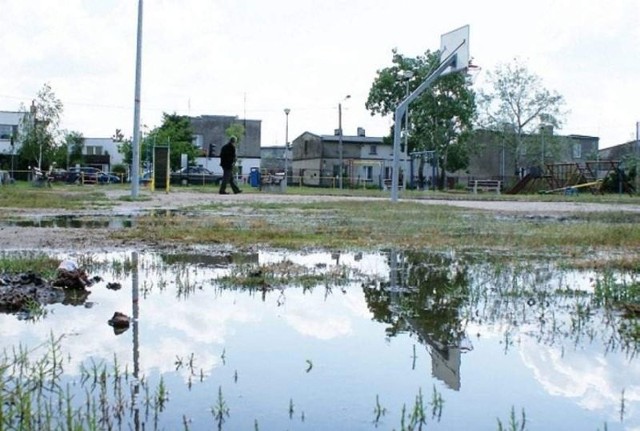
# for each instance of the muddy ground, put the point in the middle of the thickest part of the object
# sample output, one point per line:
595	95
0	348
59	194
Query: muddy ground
78	239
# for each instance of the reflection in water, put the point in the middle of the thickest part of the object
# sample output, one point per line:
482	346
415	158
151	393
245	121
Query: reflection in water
135	305
210	259
73	222
545	338
425	297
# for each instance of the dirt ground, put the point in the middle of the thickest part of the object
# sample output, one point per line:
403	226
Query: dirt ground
55	238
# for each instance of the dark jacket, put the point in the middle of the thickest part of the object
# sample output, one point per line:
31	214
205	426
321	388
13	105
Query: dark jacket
227	155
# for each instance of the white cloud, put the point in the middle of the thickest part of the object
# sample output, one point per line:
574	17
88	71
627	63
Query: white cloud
255	58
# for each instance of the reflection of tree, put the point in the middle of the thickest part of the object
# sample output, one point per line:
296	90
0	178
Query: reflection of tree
435	297
432	293
425	296
538	300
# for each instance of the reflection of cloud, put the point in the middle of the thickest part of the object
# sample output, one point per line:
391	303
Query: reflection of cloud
319	325
596	381
187	319
170	326
331	320
167	328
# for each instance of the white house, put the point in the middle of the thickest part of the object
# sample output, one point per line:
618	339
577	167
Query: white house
9	125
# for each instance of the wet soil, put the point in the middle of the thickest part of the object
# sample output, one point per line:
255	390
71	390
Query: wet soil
54	238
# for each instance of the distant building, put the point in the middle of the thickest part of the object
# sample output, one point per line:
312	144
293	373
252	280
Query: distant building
9	126
210	130
621	152
366	160
101	153
492	158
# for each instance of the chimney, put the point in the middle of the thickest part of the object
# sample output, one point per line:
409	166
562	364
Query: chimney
360	131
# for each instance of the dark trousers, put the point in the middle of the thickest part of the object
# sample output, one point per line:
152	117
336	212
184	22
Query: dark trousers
227	178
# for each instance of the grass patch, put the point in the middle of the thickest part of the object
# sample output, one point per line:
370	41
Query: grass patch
14	263
23	195
377	224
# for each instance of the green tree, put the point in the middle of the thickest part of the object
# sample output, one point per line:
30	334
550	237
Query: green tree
74	144
123	145
176	133
440	119
517	105
237	130
39	133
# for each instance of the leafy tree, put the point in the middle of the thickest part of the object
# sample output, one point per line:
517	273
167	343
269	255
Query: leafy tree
440	119
176	133
517	105
123	145
72	151
237	130
38	133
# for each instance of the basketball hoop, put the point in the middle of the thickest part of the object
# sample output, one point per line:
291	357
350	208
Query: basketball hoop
472	71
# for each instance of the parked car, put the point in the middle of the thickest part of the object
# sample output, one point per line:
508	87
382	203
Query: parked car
106	178
196	175
84	174
59	174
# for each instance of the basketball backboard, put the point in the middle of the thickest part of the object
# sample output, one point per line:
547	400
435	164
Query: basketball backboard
455	41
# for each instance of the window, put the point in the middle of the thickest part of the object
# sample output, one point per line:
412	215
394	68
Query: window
373	150
387	173
93	150
577	151
5	131
368	172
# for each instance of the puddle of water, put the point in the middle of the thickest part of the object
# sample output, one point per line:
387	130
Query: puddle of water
111	221
71	222
352	354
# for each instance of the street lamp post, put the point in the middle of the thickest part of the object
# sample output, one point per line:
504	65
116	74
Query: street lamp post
340	141
135	156
286	146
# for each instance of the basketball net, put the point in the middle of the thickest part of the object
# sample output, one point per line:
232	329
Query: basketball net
472	72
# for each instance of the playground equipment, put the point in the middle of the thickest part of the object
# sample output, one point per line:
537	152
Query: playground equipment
564	177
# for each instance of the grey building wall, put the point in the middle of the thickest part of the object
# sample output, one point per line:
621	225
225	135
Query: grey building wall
212	130
492	157
316	158
620	152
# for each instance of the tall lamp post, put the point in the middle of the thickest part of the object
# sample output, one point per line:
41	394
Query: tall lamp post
135	168
286	146
340	140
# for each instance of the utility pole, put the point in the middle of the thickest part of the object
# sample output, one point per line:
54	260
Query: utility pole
286	147
135	162
340	140
340	145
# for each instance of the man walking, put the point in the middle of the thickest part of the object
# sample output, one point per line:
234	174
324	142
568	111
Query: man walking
227	160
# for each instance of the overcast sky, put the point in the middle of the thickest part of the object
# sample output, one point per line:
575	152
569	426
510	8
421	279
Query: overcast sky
253	58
